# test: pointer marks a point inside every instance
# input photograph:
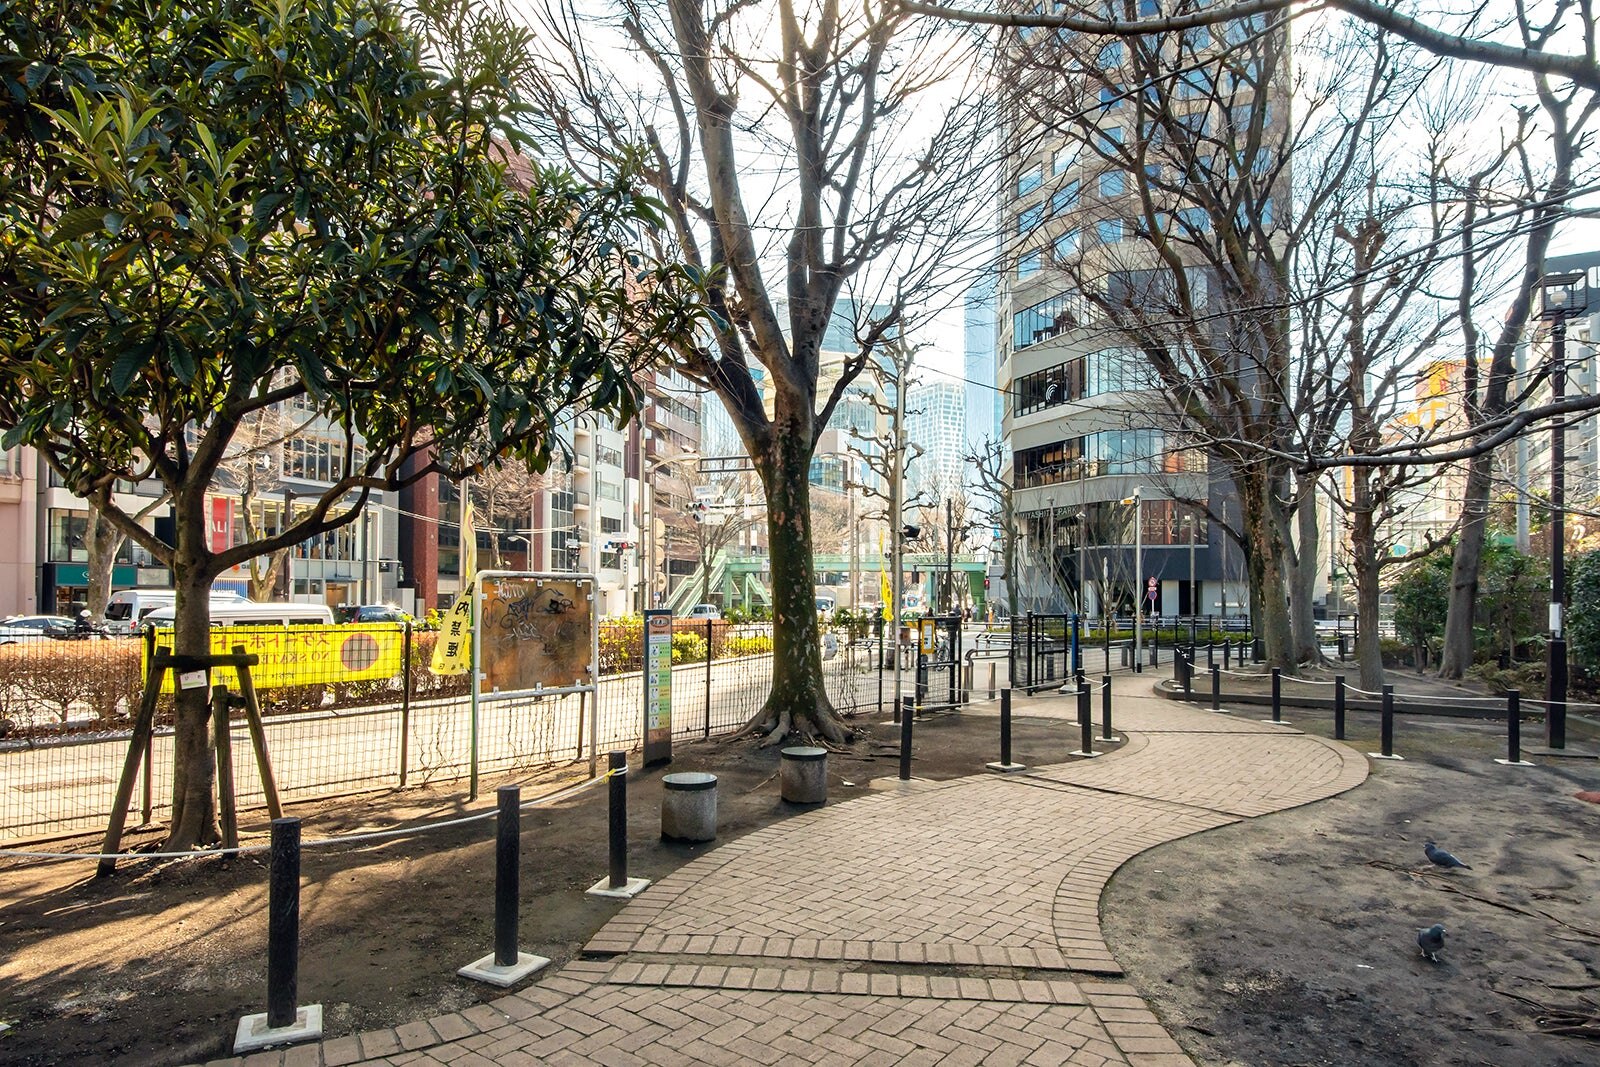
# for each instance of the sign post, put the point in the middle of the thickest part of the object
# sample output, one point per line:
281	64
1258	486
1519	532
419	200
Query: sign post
657	677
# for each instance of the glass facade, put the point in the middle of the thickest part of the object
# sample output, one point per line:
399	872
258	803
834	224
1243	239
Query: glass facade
1097	455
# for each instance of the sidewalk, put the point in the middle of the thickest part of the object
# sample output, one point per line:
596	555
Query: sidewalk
951	923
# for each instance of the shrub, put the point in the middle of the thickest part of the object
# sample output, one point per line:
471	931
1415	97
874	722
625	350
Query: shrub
753	645
688	648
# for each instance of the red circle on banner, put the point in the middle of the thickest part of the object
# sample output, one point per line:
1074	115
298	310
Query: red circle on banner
359	652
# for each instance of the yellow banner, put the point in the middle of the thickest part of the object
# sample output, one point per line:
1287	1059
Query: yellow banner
885	590
452	653
303	655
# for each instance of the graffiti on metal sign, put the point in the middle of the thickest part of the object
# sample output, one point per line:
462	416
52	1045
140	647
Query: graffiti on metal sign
537	633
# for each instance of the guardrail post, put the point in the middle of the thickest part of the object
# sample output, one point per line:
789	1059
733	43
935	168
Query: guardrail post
1514	731
284	1021
1105	708
616	883
991	681
1216	688
907	712
506	966
1338	708
710	640
1005	766
1085	724
283	924
1386	733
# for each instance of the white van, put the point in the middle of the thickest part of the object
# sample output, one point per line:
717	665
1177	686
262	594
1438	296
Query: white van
127	608
249	613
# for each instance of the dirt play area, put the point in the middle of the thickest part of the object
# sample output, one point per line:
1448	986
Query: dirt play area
1291	939
1282	940
155	965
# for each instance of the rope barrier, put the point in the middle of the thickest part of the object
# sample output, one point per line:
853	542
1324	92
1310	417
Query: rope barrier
341	839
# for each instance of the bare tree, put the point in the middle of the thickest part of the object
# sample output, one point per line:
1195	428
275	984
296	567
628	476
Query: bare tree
504	494
803	154
992	471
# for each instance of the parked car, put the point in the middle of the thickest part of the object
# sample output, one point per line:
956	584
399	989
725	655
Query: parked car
704	611
370	613
127	608
249	613
31	627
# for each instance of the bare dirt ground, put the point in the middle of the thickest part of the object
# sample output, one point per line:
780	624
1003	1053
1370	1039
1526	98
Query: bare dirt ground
156	965
1290	939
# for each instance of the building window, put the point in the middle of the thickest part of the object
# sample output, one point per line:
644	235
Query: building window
1194	219
1048	318
1109	231
1149	9
607	457
1109	370
1029	220
1112	183
1110	96
1064	245
1064	199
1111	55
609	525
1063	159
67	530
1107	141
1029	181
610	491
1028	265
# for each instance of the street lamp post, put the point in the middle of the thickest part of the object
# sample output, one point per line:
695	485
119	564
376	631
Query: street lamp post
1138	575
1564	295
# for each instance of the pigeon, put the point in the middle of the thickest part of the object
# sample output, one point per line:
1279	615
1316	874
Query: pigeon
1441	858
1431	942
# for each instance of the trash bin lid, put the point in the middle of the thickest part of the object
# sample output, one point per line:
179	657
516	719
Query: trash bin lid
804	753
689	781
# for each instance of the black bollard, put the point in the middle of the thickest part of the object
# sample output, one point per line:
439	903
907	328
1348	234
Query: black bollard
1387	746
1211	651
617	766
1186	660
1005	727
1277	695
1338	708
1085	722
1155	647
1514	726
1105	708
906	714
283	924
507	874
1227	652
1216	688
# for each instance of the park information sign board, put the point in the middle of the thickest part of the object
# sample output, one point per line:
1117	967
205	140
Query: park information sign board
536	634
657	687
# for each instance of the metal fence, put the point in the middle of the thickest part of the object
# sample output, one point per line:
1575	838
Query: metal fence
68	705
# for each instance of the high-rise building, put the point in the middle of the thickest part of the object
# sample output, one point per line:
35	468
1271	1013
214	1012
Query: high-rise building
936	422
1111	144
978	335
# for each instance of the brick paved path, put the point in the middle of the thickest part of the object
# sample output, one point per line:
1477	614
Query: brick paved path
949	923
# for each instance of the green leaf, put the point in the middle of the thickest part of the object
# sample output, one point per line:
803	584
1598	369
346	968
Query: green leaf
79	222
127	367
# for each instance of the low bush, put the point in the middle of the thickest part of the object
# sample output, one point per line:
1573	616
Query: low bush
753	645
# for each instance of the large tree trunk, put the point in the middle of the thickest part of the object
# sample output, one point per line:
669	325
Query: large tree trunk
798	704
102	541
1364	566
1303	576
1269	607
194	817
1459	644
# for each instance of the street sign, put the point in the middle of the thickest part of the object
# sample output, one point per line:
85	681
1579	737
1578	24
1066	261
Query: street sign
726	464
930	636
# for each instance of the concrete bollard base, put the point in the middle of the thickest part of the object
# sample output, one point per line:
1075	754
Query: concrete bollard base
487	970
631	888
1006	768
254	1034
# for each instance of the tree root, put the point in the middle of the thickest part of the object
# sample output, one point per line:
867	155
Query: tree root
1579	1020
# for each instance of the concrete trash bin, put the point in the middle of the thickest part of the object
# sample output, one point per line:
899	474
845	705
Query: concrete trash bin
803	777
689	806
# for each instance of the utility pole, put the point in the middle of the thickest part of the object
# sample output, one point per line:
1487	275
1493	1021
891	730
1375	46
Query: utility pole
1555	718
897	473
949	556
